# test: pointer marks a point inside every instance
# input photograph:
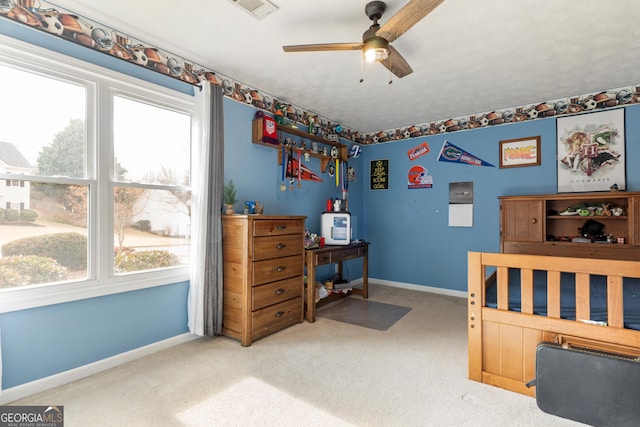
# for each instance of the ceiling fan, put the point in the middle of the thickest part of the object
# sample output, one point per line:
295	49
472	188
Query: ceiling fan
376	40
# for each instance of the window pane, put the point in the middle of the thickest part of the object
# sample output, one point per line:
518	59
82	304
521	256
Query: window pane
43	236
151	144
151	228
43	129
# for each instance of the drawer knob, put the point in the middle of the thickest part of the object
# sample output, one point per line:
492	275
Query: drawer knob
534	221
280	291
279	314
281	246
279	269
282	227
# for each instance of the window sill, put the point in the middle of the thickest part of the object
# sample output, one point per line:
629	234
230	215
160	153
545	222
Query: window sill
15	299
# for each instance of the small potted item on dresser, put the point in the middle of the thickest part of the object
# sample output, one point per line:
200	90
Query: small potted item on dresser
229	197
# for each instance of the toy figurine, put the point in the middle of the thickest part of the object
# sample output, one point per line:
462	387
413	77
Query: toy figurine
312	119
279	113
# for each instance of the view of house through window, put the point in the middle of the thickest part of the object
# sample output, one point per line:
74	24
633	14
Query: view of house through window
151	197
50	192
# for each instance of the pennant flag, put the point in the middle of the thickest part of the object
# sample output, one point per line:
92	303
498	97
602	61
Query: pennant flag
305	173
453	154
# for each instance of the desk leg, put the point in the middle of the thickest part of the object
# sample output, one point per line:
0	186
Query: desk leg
365	276
310	312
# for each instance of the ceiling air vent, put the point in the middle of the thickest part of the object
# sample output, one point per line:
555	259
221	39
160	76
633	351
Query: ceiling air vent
257	8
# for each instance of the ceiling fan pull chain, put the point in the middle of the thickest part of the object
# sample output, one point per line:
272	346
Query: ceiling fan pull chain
361	68
390	68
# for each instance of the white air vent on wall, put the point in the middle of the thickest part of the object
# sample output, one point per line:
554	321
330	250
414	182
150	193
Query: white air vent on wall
257	8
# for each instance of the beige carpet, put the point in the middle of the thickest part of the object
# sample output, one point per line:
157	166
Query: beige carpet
326	373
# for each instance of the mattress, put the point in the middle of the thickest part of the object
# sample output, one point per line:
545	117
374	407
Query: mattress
631	296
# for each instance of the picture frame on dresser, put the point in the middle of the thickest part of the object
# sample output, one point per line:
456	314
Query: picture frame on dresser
520	152
591	152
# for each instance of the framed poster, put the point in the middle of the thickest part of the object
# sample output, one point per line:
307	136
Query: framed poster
591	151
520	152
379	174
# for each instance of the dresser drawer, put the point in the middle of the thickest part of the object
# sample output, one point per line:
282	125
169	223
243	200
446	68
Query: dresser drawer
277	227
276	292
271	270
276	246
276	317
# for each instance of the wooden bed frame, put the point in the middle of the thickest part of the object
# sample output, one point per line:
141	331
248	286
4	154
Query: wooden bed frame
502	343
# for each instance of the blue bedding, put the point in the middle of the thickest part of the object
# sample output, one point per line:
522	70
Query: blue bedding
631	295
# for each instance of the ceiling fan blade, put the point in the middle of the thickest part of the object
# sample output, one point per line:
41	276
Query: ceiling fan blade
396	63
406	18
322	46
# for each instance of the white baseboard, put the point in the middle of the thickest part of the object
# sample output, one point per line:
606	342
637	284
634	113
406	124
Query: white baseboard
414	287
24	390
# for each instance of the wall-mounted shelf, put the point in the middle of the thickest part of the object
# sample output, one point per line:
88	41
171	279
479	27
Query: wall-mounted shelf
343	154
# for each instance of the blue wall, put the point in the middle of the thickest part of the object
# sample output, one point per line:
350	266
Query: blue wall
255	172
40	342
411	240
257	176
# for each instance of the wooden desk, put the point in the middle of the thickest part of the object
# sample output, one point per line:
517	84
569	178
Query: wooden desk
334	255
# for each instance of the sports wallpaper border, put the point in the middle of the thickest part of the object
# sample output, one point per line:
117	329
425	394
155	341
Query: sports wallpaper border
50	18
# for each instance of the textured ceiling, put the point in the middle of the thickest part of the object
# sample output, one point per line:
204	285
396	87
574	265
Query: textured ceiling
467	56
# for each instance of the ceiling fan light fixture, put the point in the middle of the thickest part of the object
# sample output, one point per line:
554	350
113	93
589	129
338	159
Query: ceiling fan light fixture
375	49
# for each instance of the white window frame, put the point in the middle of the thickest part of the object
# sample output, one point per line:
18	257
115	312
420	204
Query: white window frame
101	85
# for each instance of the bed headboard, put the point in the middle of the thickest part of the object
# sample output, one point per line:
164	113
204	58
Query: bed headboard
549	225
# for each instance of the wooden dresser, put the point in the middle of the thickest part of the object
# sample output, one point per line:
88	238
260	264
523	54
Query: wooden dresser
263	274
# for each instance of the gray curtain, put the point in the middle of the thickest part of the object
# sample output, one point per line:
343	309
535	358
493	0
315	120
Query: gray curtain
213	254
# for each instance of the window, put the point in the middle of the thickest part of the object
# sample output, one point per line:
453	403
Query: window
152	152
96	169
